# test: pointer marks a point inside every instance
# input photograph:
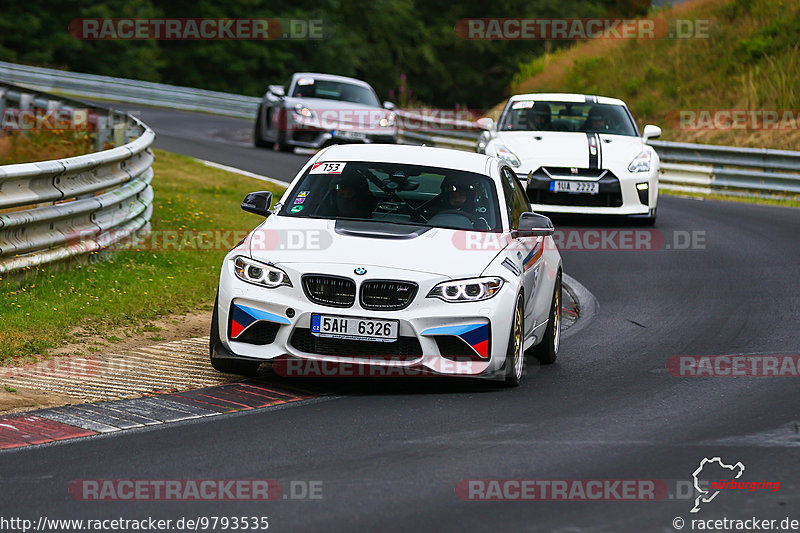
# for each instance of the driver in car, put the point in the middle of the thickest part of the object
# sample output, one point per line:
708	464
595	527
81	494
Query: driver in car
351	197
457	197
538	117
597	121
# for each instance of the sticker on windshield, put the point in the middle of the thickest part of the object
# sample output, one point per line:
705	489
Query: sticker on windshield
305	81
303	194
299	200
522	104
296	209
327	168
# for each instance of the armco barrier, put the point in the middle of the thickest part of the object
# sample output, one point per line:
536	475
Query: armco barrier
130	91
53	210
729	170
684	166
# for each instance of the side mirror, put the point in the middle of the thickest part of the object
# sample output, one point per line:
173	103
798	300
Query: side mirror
258	203
388	105
651	132
277	90
485	123
534	225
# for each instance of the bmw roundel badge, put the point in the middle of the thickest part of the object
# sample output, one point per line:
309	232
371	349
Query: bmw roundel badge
360	271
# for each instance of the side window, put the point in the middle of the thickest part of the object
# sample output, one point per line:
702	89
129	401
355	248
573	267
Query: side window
515	204
521	196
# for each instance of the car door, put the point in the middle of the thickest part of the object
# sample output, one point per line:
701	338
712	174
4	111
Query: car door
527	251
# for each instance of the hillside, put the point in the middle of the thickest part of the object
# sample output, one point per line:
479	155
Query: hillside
750	61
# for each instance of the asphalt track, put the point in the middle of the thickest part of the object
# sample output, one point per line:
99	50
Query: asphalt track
389	454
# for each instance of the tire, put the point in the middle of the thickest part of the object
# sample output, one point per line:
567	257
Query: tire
281	144
515	355
228	366
546	351
258	139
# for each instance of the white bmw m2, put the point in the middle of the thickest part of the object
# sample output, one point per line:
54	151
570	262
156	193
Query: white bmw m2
415	258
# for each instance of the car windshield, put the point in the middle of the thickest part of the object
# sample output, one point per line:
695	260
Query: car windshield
529	115
334	90
395	193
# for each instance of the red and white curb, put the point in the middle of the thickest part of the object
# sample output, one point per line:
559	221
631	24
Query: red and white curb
62	423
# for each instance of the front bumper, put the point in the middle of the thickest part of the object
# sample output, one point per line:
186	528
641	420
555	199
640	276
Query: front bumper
435	337
618	193
316	138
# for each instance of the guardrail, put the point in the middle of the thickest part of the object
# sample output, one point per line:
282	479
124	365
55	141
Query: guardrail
729	170
130	91
688	167
53	210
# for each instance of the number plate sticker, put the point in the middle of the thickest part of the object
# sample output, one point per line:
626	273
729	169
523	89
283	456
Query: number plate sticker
583	187
354	328
349	134
327	168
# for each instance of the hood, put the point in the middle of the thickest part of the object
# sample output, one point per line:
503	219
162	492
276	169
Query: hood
442	252
566	149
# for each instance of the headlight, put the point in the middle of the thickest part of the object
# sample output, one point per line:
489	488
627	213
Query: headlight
507	155
259	273
303	111
388	121
640	163
467	290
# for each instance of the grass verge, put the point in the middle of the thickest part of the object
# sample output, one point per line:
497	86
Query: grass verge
726	198
55	304
748	61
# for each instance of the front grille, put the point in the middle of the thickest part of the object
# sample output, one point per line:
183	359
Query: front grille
333	291
260	333
404	348
387	295
305	136
609	195
571	172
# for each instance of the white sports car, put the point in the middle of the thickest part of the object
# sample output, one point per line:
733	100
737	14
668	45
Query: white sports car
577	154
416	258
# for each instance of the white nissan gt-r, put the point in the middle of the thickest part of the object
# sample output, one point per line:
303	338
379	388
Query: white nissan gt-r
415	258
577	154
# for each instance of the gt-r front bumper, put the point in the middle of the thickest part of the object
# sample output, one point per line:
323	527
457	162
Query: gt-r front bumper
437	337
619	193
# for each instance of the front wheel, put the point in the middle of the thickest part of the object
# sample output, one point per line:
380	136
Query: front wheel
515	356
258	138
281	143
546	351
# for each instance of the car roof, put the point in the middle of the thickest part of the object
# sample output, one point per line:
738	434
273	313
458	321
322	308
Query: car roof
329	77
567	97
416	155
